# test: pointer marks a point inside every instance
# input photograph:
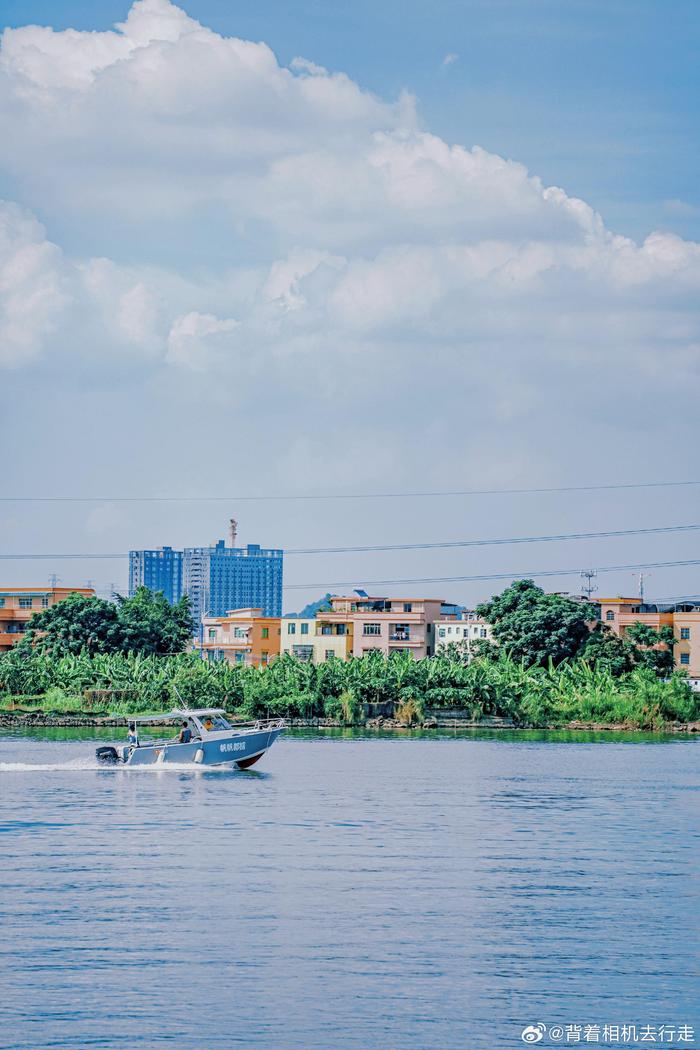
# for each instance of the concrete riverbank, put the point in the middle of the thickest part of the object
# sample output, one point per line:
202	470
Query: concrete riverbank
446	719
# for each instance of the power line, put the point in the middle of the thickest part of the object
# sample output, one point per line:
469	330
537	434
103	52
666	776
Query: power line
554	538
446	545
525	574
349	495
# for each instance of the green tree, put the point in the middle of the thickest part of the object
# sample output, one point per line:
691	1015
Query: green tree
76	624
536	627
652	648
150	624
608	651
145	624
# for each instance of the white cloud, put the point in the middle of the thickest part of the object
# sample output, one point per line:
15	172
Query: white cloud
32	285
450	58
200	341
283	228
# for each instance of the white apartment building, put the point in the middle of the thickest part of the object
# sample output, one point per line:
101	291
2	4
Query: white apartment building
470	628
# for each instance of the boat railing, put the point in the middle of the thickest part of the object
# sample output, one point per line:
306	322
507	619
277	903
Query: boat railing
260	724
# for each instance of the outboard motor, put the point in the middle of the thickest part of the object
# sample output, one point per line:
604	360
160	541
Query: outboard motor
109	755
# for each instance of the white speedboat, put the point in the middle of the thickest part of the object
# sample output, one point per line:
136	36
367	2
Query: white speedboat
204	737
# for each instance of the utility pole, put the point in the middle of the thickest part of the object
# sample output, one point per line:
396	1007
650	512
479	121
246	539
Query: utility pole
589	587
53	579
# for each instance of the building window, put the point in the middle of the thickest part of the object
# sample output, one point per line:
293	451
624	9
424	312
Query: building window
372	628
400	632
25	603
239	658
2	603
212	634
266	632
685	659
685	633
483	632
238	632
264	657
610	615
408	607
305	628
44	602
291	628
441	632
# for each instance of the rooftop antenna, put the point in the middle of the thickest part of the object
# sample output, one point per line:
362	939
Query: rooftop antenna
642	576
589	587
232	531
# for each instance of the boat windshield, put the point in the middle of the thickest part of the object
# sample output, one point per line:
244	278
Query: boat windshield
215	723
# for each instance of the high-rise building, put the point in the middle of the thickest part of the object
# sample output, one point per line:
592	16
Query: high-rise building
217	579
159	570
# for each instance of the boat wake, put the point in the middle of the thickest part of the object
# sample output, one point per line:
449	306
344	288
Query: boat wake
80	765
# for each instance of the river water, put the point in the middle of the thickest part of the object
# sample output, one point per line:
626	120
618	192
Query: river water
355	892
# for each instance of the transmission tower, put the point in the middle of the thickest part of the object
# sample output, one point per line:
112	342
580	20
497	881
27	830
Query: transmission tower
642	576
588	588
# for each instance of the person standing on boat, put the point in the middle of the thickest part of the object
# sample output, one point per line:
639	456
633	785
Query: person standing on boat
185	734
133	737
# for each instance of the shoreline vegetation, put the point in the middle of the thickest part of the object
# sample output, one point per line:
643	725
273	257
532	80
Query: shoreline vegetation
550	665
373	691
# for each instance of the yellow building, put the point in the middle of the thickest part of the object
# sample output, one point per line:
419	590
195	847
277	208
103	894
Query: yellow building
18	605
315	640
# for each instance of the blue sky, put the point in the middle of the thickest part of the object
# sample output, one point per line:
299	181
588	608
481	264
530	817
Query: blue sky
598	96
457	248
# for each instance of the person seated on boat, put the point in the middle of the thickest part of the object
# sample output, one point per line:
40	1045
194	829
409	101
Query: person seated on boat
208	724
133	737
185	734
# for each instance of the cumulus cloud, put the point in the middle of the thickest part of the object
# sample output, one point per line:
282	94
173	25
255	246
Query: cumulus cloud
33	290
200	341
285	218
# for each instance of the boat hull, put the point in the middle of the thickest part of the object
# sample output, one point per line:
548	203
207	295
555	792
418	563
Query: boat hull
241	749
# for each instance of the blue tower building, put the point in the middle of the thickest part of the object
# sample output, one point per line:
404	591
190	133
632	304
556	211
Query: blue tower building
217	579
159	570
222	578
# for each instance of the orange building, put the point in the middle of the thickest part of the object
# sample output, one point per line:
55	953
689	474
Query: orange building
18	605
243	636
683	617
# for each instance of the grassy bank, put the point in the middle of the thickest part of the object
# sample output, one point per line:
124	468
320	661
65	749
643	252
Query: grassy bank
128	684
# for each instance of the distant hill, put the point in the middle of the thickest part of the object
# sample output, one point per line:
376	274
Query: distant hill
310	610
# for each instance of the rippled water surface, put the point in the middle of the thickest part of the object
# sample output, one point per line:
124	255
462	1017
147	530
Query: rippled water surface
355	892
